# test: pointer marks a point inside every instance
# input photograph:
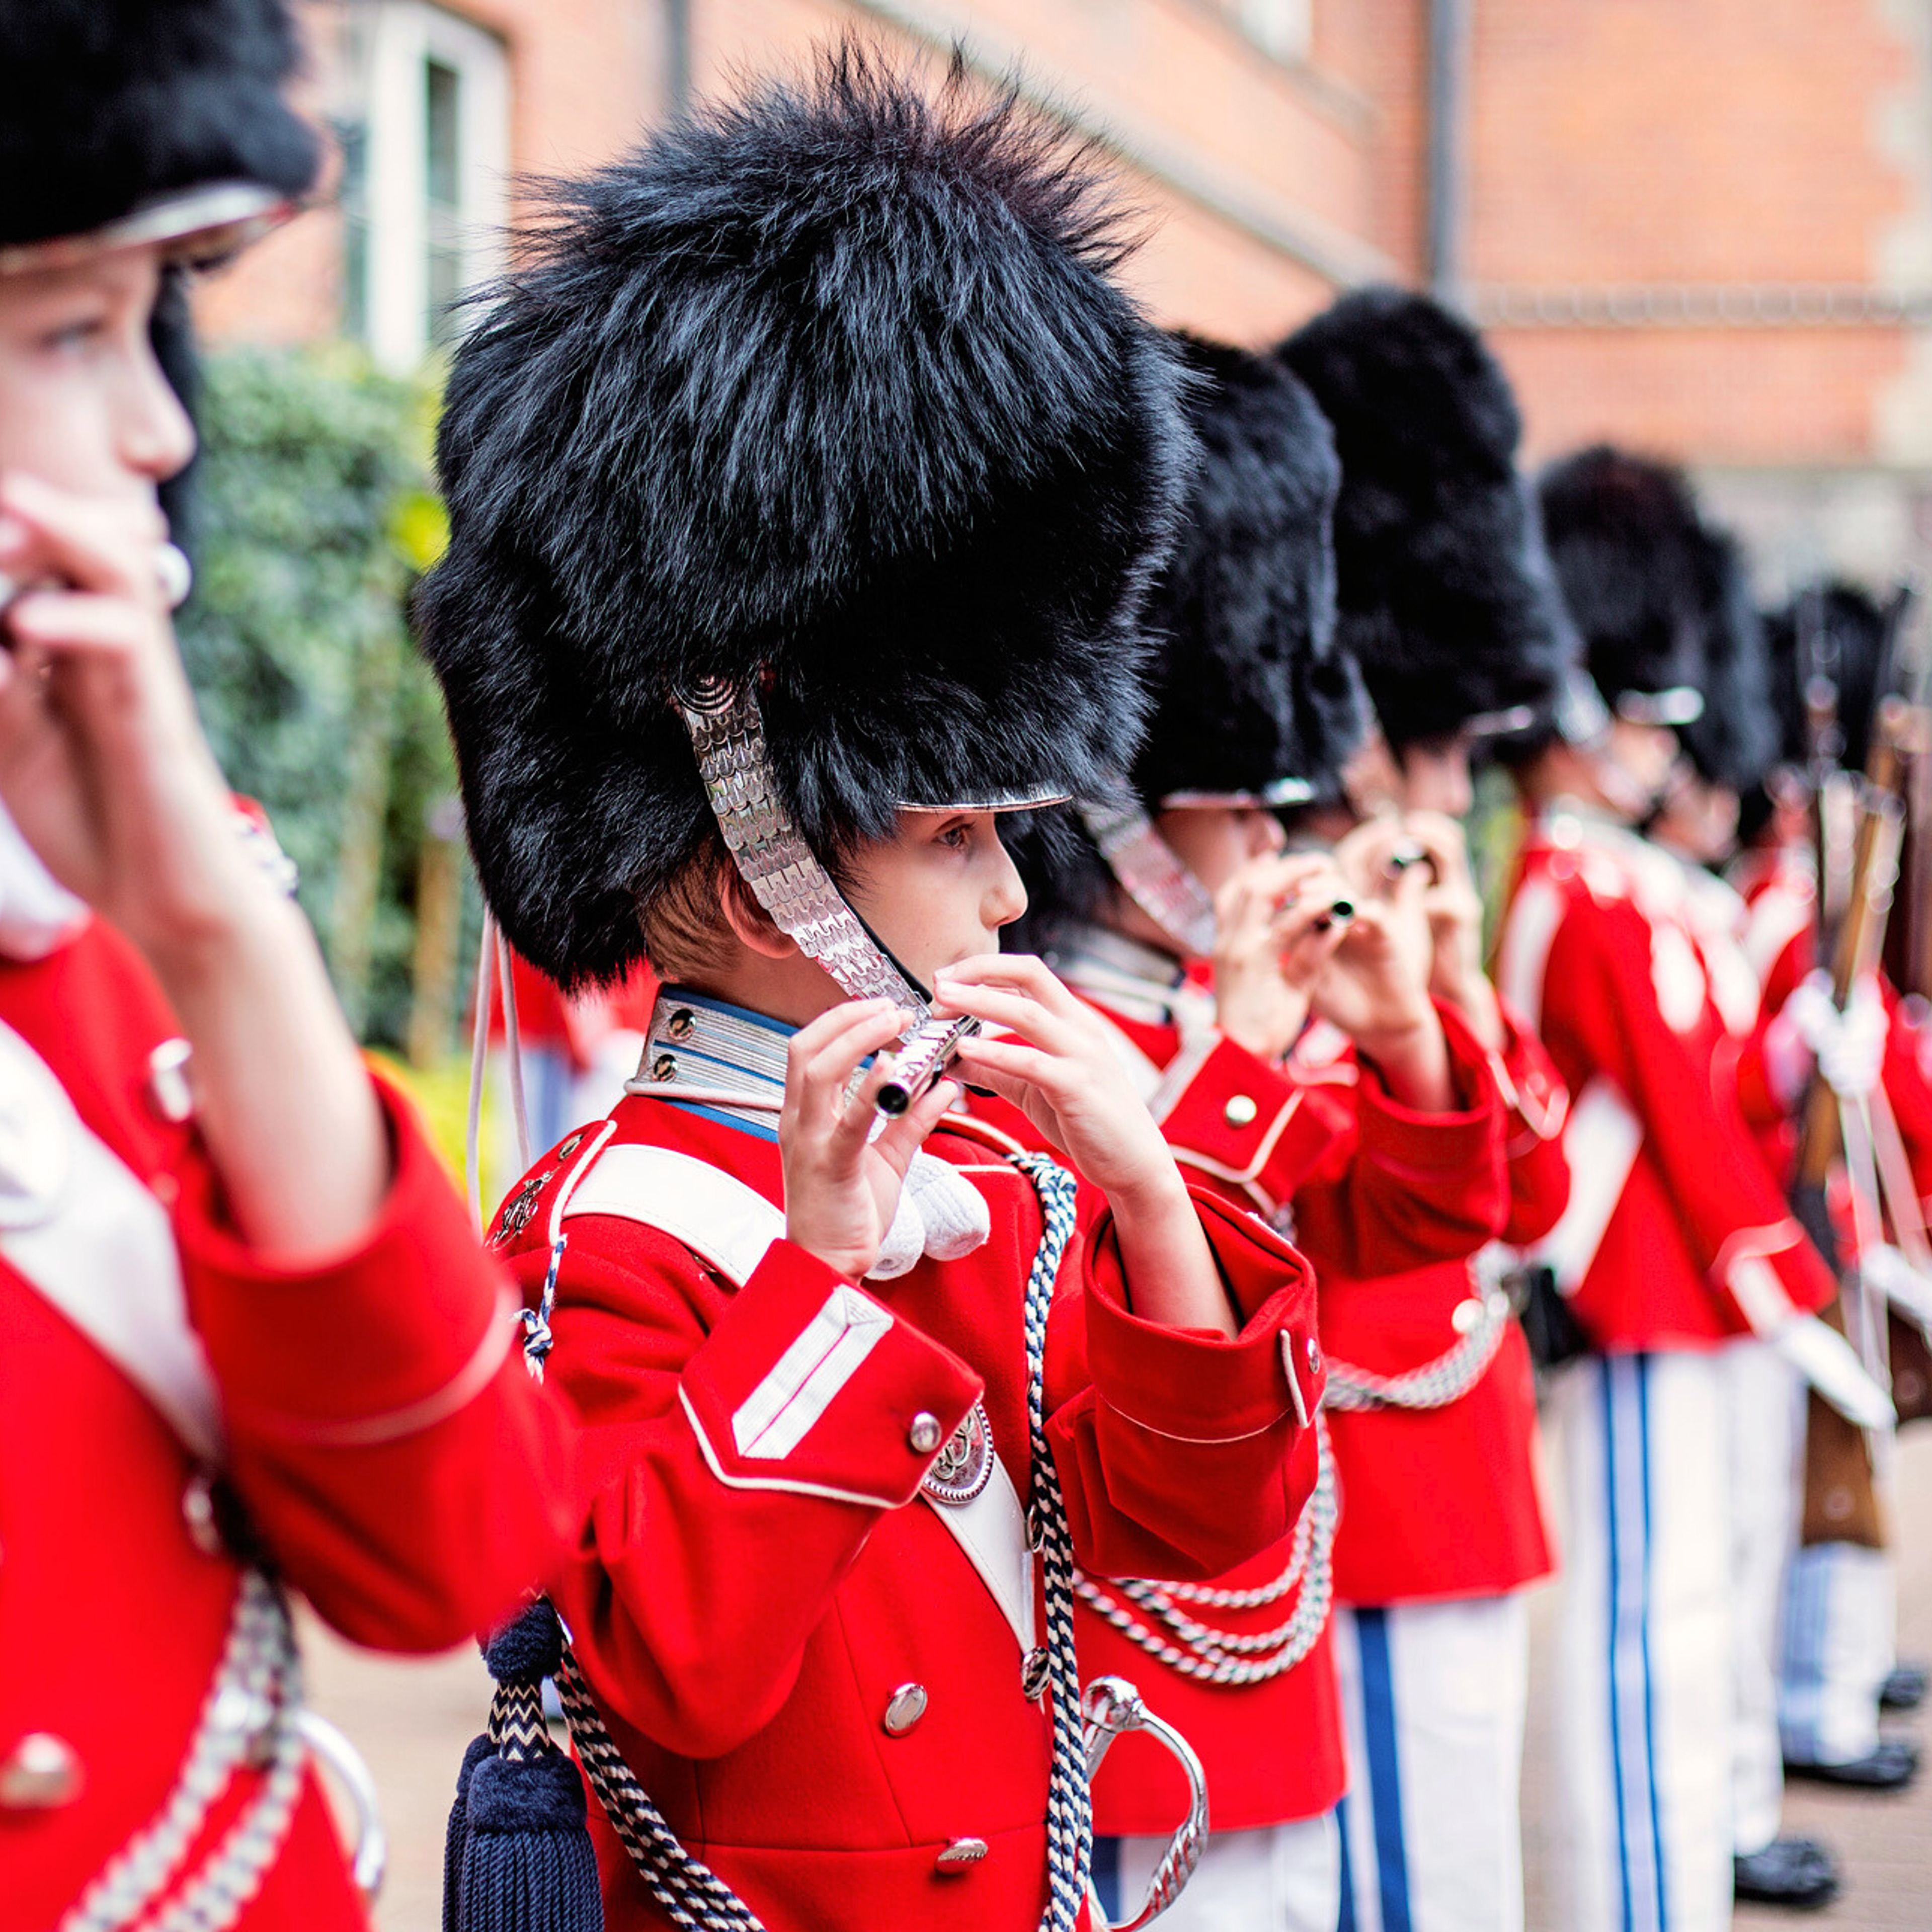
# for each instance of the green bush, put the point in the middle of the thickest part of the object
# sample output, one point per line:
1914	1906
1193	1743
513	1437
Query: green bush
313	511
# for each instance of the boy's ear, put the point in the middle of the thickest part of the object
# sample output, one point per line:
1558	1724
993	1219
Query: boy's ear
751	925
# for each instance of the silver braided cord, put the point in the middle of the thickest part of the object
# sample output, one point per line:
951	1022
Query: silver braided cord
1436	1383
251	1717
1213	1656
687	1889
1069	1809
1151	874
691	1893
783	873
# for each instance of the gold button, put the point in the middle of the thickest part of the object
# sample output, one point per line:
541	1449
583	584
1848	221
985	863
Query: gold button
680	1024
41	1774
961	1854
924	1433
1241	1111
903	1709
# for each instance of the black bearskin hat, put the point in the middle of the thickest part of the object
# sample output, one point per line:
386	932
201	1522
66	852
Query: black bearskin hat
1734	741
1624	536
1248	688
828	393
1447	599
106	105
1838	630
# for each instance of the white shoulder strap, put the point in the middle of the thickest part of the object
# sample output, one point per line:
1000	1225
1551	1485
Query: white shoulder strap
730	1224
79	1226
719	1218
1601	1140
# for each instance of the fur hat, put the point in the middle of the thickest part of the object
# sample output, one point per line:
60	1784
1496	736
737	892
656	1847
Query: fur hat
1248	688
1735	740
827	393
1840	629
1624	535
1249	694
106	105
1447	599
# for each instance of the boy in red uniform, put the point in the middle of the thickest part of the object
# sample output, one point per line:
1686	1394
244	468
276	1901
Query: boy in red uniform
1838	1663
1448	606
804	489
1388	1157
1675	1243
248	1324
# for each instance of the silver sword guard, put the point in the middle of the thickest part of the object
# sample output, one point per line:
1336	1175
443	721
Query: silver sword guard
1110	1708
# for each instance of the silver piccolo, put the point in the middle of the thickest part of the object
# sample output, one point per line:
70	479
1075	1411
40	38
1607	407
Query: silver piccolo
918	1066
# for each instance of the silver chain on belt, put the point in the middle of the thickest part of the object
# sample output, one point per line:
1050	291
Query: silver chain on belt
1199	1650
251	1716
1449	1378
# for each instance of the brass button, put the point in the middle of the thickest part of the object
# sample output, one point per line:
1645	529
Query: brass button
1241	1111
42	1773
664	1067
1465	1315
680	1024
167	1082
924	1433
961	1854
903	1709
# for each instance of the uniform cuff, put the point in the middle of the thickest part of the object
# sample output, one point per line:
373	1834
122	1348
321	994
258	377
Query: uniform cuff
1190	1384
808	1384
1407	1142
388	1336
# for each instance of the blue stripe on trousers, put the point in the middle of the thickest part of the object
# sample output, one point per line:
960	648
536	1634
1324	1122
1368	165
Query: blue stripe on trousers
1378	1730
1106	1871
1630	1635
1347	1921
1643	1368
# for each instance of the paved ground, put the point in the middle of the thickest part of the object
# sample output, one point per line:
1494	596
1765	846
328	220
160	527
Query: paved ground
413	1720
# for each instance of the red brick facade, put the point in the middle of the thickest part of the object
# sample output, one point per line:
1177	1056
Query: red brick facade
1657	194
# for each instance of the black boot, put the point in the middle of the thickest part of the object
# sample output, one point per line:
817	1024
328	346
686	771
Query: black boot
1904	1689
1799	1873
1890	1768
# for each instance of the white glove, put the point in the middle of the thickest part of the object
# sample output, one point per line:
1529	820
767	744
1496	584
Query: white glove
1901	1284
1850	1046
940	1213
1831	1365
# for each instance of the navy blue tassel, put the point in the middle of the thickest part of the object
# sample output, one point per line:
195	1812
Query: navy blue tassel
458	1834
518	1858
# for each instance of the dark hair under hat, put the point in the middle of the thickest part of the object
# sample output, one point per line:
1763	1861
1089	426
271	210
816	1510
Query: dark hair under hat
107	105
1447	599
827	393
1624	535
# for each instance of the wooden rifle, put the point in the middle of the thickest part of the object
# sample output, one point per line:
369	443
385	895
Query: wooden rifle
1840	1502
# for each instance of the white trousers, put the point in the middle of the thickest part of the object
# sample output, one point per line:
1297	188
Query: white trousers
1433	1695
1644	1726
1763	1398
1276	1878
1839	1610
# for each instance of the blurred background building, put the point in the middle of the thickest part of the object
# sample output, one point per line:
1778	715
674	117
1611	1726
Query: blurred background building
1701	227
